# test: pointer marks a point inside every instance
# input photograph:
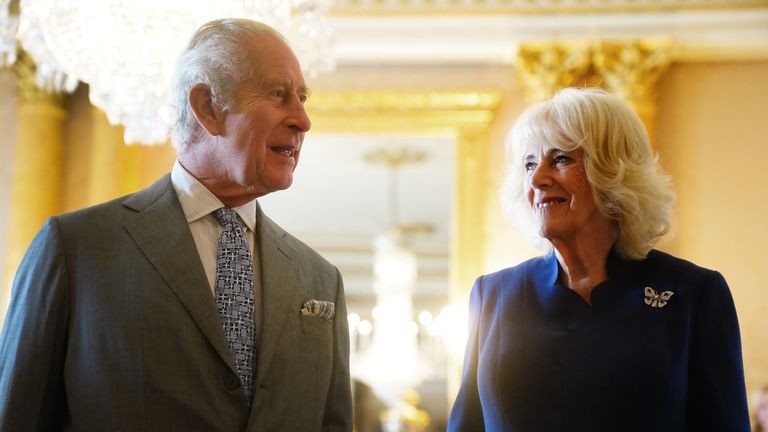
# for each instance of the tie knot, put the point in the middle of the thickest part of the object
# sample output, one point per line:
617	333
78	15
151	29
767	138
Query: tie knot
226	216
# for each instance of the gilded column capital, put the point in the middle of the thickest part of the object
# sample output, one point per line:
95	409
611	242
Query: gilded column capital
545	68
29	92
628	69
631	70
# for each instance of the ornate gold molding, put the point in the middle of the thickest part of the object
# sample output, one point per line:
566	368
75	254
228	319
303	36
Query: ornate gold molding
422	112
403	100
29	92
628	69
545	68
631	70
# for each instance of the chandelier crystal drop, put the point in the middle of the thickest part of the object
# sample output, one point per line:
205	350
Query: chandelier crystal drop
126	50
9	25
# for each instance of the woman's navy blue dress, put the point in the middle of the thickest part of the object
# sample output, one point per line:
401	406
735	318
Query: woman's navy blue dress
540	359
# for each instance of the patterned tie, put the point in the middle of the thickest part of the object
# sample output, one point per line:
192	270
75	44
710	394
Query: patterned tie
234	295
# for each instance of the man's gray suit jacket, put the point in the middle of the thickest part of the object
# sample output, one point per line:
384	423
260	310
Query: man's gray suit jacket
112	326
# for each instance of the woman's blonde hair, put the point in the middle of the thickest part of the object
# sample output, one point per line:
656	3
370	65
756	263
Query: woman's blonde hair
629	185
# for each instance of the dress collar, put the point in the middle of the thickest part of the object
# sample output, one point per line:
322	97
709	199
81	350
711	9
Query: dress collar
554	296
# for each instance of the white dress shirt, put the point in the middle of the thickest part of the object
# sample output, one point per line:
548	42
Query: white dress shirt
198	204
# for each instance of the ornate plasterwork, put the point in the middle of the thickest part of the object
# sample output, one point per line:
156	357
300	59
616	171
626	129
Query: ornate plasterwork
421	112
544	68
628	69
532	6
477	34
631	70
29	91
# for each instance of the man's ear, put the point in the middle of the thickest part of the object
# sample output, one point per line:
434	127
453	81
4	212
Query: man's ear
201	101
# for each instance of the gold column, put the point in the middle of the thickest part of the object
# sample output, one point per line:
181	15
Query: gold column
630	70
546	67
106	155
469	237
37	164
132	168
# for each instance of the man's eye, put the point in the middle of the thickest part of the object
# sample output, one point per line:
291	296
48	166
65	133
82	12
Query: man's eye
280	92
302	98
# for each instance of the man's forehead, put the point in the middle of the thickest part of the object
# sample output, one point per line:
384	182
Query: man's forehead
283	75
269	50
269	71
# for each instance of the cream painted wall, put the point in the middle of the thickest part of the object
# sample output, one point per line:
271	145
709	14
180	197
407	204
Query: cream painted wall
8	123
712	135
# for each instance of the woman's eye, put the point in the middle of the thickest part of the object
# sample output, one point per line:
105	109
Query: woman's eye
529	166
561	159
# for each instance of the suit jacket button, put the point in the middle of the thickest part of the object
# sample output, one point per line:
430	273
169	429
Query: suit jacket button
231	381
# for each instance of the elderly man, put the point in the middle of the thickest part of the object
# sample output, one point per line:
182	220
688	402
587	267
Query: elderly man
183	307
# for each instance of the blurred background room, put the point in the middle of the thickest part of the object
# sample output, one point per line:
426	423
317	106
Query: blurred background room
399	179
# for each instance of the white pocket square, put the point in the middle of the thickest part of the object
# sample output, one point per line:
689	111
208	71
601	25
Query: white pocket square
318	309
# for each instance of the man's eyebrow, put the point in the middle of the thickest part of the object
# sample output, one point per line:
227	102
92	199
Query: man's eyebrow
281	82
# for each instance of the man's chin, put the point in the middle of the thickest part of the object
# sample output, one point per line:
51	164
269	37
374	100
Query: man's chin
275	186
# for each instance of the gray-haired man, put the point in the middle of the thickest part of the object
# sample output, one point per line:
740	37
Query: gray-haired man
183	307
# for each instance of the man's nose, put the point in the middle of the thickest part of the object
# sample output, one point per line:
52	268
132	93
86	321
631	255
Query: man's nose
298	118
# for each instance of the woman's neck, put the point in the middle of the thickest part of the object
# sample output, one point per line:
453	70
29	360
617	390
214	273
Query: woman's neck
582	263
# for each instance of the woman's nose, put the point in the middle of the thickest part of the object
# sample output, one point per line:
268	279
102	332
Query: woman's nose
541	176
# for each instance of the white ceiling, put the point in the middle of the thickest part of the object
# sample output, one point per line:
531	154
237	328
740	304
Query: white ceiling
491	36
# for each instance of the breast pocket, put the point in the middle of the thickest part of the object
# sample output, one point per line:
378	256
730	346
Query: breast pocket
316	326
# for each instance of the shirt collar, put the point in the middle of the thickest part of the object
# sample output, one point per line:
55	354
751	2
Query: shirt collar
198	202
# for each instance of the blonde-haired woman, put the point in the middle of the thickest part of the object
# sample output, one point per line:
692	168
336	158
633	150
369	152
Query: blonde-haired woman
602	333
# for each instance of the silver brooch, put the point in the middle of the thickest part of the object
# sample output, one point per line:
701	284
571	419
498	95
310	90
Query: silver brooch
654	299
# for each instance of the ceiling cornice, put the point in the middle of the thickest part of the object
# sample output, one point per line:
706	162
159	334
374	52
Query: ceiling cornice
519	7
734	34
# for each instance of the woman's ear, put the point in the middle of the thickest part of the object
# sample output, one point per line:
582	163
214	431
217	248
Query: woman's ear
201	101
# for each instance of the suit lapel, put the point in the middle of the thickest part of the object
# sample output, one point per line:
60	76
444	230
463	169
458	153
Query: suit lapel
161	232
279	285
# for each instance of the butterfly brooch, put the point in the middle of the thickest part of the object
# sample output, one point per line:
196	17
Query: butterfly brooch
655	299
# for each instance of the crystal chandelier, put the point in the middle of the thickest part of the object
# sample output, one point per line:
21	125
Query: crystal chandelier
393	347
126	50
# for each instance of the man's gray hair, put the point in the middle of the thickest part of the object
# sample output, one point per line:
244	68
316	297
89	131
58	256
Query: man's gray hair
218	55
